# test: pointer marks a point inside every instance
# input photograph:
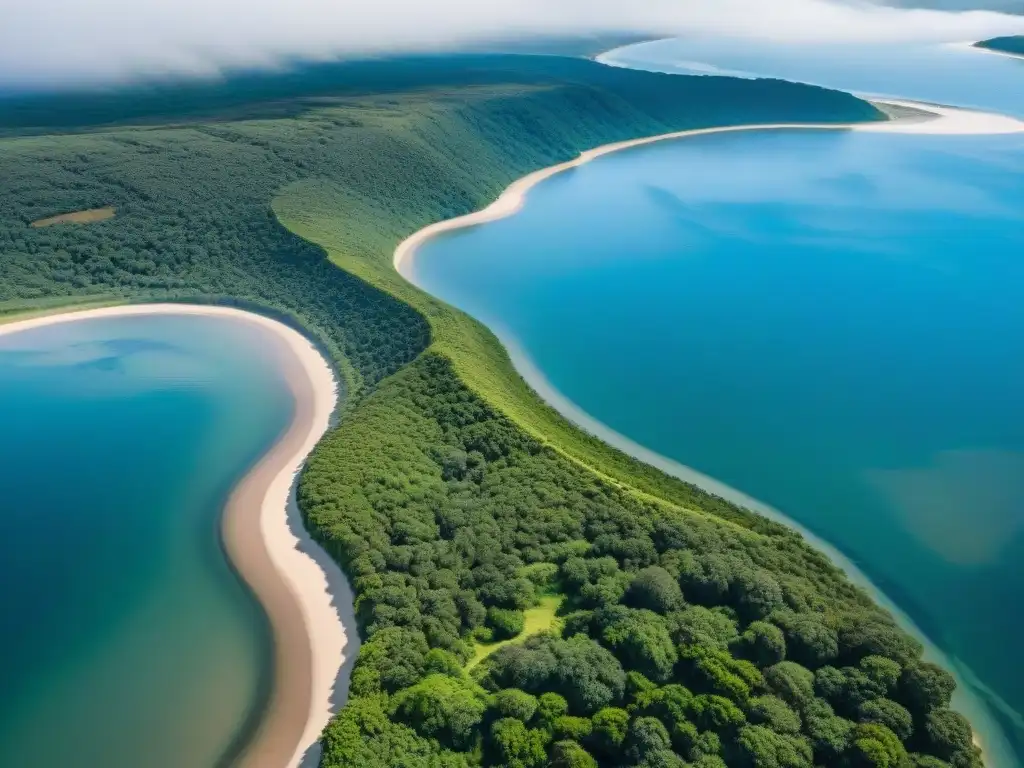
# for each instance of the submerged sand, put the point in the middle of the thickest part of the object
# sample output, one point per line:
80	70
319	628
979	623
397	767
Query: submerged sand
307	598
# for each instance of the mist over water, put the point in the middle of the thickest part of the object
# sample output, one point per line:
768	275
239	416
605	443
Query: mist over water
829	322
55	43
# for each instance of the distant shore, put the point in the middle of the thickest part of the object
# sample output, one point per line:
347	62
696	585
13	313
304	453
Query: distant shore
987	49
304	593
994	52
926	119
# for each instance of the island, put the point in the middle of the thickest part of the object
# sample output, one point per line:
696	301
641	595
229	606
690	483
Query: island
527	595
1012	45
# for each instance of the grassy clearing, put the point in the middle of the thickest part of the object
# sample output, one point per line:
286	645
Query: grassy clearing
88	216
539	618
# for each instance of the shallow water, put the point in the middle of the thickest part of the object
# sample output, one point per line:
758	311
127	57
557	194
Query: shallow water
128	640
831	322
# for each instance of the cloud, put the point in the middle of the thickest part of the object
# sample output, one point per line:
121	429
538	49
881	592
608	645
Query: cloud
67	41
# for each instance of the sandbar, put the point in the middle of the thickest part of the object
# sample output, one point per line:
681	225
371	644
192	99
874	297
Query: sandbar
304	593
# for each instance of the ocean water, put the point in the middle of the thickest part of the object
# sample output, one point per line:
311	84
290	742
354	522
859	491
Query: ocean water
127	638
830	322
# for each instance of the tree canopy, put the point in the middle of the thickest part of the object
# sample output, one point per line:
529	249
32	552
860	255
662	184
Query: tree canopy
694	631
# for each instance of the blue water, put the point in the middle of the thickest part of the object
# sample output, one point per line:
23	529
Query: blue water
943	74
831	322
127	638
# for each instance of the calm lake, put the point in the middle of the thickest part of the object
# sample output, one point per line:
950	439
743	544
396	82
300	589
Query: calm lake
831	322
128	640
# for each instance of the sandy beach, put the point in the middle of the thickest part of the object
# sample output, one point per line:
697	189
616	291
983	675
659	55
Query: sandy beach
906	117
982	49
936	120
305	594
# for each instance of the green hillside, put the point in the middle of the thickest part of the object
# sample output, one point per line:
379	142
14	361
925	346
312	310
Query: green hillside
465	511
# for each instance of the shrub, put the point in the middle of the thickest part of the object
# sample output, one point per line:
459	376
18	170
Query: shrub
573	728
655	589
441	708
505	623
890	714
763	643
610	727
569	754
518	746
515	703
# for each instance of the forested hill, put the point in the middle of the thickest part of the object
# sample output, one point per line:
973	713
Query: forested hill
1014	45
528	595
304	88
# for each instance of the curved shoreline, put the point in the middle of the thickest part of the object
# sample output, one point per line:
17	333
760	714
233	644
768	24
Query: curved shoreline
986	49
942	120
965	699
512	199
304	593
938	120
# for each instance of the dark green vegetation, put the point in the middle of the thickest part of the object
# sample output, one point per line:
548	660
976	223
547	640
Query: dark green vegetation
685	638
463	509
1013	44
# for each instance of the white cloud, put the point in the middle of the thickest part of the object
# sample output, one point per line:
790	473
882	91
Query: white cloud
74	40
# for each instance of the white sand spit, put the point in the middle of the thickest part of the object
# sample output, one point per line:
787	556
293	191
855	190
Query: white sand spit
977	49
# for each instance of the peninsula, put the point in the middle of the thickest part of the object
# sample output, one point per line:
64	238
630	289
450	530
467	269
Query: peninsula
1009	46
650	621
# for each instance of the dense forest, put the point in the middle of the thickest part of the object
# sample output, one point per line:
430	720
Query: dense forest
683	639
1013	45
527	595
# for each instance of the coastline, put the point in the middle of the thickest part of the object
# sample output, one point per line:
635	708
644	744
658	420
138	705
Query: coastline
943	120
965	699
925	119
305	594
284	567
985	49
513	198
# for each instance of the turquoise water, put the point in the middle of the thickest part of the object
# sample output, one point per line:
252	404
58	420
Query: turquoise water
128	640
831	322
